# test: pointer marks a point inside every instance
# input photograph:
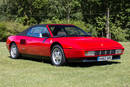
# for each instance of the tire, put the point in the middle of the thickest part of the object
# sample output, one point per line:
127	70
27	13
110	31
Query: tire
57	56
14	54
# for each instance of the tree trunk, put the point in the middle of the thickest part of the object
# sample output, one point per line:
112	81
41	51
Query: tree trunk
107	24
68	18
68	15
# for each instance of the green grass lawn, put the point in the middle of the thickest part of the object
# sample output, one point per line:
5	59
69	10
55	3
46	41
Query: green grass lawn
28	73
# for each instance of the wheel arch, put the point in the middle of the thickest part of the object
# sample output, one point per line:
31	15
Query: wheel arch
11	44
55	43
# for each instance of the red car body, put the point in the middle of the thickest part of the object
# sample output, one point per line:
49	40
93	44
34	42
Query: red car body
73	47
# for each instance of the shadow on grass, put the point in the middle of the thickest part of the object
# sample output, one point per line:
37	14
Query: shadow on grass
69	64
35	59
90	64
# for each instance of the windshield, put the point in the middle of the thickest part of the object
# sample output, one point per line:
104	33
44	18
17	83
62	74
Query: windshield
66	30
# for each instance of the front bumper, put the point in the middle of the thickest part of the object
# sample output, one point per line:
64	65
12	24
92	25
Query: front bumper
92	59
78	54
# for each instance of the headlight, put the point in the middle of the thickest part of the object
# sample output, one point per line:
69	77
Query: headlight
118	51
90	53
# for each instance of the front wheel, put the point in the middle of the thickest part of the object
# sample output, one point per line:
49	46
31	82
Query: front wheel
57	56
14	54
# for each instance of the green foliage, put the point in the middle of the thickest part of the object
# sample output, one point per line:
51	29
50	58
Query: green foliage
64	8
10	28
90	15
21	20
117	33
92	29
100	25
3	31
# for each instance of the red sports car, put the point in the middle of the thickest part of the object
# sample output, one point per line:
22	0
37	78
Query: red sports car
63	43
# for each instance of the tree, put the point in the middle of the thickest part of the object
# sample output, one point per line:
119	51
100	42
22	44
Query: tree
102	15
63	8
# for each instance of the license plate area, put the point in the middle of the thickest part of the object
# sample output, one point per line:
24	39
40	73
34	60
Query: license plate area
104	58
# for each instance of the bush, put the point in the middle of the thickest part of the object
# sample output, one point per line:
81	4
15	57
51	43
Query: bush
10	28
24	20
92	29
80	24
117	33
3	31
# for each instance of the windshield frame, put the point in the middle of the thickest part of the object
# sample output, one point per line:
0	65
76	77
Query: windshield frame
68	25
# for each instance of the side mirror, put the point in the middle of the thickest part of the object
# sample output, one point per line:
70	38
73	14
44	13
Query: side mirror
45	35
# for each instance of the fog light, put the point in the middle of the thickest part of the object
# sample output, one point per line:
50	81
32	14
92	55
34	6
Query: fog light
118	51
90	53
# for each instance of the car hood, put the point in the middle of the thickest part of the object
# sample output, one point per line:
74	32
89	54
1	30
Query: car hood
90	43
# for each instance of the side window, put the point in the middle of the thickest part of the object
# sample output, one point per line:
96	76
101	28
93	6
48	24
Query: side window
37	31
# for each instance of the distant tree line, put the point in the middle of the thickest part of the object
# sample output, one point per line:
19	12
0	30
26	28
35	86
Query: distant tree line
103	18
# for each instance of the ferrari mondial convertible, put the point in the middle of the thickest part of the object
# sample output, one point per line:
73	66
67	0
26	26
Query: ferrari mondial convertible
63	43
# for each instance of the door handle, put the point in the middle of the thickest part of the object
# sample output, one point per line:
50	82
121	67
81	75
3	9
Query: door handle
22	41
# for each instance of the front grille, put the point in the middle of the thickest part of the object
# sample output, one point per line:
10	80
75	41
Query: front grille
104	52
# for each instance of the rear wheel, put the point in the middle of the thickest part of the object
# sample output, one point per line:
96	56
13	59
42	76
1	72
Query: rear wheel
14	54
57	56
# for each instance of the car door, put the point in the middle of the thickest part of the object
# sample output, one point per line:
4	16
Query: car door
35	41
